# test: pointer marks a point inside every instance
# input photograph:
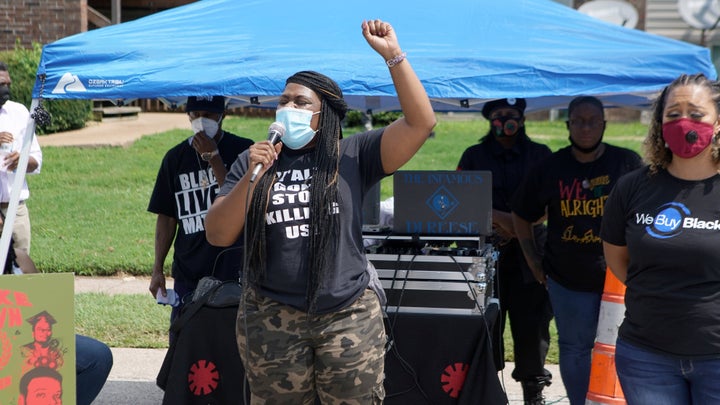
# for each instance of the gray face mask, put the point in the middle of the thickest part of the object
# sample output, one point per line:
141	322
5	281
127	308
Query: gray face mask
205	124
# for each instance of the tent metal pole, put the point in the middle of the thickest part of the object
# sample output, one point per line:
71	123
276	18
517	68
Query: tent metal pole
17	185
116	11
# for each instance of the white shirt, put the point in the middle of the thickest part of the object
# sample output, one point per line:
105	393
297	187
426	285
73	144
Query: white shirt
14	119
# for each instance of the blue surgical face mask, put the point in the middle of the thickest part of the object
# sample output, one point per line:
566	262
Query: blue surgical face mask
298	132
205	124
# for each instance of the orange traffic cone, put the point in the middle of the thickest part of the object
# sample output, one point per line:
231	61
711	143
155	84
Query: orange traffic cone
604	387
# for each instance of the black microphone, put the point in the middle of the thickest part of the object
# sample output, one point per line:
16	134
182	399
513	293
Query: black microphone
275	132
691	136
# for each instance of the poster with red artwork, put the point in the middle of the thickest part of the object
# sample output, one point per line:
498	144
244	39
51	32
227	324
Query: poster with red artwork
37	339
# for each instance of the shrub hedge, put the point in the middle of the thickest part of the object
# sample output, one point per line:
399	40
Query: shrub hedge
354	118
66	114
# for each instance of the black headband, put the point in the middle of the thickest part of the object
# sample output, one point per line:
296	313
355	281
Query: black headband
325	87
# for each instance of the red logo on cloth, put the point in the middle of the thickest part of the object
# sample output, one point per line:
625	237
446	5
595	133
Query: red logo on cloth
203	377
453	378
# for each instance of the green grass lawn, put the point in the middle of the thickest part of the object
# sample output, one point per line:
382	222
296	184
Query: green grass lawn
89	213
123	320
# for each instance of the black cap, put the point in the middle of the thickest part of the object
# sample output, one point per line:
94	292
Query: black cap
516	103
214	104
36	318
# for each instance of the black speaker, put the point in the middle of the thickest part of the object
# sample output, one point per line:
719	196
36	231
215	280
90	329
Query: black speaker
440	359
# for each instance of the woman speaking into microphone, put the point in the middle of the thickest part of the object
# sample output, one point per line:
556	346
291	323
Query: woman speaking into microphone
308	324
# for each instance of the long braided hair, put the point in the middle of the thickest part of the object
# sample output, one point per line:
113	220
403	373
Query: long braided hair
324	225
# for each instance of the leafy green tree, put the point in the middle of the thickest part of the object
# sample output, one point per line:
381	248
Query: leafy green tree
23	64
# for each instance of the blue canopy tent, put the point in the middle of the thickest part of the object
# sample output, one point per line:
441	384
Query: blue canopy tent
465	53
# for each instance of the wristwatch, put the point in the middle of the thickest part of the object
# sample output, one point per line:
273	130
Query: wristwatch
206	156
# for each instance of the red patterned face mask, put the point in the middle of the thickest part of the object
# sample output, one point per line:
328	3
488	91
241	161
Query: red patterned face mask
506	126
687	138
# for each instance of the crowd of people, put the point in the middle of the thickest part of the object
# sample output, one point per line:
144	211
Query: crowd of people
285	220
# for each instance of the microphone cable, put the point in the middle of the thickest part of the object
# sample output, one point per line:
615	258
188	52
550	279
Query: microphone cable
217	258
472	291
243	284
406	366
483	310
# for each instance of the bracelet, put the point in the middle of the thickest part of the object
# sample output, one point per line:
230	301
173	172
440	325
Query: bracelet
397	59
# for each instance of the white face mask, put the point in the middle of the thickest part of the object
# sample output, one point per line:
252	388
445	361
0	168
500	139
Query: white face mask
298	132
205	124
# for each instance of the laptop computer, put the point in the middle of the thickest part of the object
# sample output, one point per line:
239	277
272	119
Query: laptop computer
442	202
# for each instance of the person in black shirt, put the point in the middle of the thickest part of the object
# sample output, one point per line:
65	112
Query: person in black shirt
186	185
571	187
309	327
661	236
508	153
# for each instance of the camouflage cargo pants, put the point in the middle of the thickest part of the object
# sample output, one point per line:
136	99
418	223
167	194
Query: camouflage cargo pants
294	356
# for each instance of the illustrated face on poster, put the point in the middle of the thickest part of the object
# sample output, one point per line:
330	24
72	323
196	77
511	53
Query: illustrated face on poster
41	386
37	339
44	350
42	331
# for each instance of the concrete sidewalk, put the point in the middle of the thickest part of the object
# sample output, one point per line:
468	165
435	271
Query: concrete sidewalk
132	378
119	132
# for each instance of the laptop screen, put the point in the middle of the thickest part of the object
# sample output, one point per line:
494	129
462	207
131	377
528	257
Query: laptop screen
442	202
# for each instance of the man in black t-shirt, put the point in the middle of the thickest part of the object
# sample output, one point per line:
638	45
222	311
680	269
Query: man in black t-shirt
509	154
186	186
571	187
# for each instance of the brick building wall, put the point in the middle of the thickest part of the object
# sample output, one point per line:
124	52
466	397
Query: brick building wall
41	21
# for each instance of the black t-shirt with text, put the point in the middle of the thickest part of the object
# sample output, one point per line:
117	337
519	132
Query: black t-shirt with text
574	194
185	188
287	223
671	228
